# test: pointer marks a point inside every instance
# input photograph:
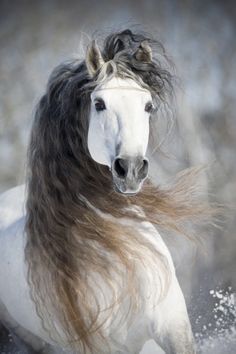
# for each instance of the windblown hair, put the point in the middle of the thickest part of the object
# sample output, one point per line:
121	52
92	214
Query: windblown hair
73	227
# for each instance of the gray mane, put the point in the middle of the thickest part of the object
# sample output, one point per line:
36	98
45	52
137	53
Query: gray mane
66	239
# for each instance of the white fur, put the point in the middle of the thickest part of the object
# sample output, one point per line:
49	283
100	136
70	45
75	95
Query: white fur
124	123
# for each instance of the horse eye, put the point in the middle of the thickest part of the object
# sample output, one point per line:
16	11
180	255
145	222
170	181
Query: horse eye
100	105
149	107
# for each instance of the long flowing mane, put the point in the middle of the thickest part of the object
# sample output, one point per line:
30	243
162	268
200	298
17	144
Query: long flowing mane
73	214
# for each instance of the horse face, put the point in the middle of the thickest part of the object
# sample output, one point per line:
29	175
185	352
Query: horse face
119	131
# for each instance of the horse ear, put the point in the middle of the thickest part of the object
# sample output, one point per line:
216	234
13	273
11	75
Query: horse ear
94	59
144	52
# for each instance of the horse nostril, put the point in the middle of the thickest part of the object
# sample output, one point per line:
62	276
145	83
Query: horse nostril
137	168
143	171
121	167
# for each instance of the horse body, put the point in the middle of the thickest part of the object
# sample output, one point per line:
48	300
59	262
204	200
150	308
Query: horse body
18	310
82	266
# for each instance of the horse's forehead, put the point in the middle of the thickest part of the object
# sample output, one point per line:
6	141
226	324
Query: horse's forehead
121	88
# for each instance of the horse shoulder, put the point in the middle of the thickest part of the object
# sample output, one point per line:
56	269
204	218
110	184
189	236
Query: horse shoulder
16	306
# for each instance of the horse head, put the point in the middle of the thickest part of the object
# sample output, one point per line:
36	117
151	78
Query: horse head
119	121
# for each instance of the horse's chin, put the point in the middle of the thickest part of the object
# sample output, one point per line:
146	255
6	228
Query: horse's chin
126	190
126	194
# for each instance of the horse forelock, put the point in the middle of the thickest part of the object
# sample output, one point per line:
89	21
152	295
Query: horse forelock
66	238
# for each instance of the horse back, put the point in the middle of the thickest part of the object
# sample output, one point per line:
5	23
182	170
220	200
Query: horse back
16	306
12	206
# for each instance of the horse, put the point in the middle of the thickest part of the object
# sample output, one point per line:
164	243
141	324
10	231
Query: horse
83	267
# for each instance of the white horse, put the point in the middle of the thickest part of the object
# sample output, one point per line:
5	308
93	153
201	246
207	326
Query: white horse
81	228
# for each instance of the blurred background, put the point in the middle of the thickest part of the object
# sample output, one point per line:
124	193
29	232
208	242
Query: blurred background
200	38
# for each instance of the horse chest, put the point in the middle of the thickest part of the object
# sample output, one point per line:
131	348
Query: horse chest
130	333
121	333
135	330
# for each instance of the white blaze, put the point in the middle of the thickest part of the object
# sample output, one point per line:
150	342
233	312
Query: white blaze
123	127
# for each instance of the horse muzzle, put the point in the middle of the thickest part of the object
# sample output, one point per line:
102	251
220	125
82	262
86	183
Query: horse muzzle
129	173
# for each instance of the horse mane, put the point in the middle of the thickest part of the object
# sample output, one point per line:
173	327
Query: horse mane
73	223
